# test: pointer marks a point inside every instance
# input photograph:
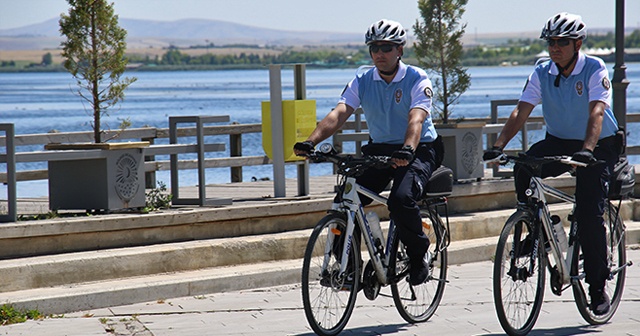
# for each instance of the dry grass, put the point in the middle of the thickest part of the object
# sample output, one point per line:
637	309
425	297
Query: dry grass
35	56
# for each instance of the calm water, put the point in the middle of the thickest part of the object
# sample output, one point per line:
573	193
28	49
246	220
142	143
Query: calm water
41	102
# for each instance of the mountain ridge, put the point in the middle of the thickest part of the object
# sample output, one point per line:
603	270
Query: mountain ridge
190	32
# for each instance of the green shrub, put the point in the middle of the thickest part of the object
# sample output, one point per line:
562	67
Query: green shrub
9	315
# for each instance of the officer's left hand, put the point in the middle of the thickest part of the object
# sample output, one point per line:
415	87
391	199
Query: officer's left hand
303	148
584	156
402	157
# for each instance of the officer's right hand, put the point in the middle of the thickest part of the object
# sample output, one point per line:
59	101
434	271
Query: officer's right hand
491	154
303	148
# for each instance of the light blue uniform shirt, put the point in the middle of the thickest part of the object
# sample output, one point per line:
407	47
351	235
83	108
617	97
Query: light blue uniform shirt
566	108
386	106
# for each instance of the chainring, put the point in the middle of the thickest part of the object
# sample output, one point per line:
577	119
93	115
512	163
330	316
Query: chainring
370	284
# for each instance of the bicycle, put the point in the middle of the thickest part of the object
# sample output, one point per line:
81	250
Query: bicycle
331	271
530	244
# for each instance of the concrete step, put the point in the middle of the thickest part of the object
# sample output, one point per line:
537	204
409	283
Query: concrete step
99	294
253	212
128	290
103	265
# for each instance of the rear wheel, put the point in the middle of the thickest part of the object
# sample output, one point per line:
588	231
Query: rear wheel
327	297
418	303
518	275
616	256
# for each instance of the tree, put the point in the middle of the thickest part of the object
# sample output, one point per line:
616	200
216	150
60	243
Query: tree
47	59
94	55
438	48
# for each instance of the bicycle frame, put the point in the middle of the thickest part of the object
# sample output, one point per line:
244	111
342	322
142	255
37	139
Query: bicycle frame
537	192
354	209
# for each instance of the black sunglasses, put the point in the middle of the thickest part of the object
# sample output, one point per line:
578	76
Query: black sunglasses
561	42
374	48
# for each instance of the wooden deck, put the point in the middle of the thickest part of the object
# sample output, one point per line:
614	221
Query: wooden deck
242	193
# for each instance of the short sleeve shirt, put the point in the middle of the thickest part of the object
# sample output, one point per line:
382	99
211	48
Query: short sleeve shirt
566	108
386	106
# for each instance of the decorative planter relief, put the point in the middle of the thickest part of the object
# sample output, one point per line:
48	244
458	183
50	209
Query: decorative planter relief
98	177
463	149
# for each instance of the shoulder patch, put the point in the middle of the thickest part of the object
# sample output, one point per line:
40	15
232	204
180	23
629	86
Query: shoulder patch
605	83
428	92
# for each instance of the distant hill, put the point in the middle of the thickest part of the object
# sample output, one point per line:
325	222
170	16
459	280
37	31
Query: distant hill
190	32
185	32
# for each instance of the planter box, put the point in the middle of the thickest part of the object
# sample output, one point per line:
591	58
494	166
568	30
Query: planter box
463	149
112	181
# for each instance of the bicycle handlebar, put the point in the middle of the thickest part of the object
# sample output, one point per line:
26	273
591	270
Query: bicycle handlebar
349	165
533	161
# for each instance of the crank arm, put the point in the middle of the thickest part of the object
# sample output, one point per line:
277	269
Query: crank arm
615	271
431	278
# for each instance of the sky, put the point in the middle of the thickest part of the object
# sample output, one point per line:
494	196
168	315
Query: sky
349	16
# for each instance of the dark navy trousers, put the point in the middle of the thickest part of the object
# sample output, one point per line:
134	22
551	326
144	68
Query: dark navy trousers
408	188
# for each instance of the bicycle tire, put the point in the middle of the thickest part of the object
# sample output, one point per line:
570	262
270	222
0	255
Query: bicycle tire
328	300
518	293
617	255
417	304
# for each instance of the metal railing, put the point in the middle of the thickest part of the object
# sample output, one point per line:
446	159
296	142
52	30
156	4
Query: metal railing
354	130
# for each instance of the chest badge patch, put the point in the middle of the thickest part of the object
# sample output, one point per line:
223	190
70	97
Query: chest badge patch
398	95
579	88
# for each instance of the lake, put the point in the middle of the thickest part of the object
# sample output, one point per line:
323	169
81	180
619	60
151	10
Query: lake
42	102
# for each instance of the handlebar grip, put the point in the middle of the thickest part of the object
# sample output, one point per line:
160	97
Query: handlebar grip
570	161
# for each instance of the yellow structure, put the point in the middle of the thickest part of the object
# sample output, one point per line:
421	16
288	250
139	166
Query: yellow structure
298	121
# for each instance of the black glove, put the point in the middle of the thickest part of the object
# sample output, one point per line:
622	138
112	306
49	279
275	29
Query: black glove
492	153
404	153
305	146
584	156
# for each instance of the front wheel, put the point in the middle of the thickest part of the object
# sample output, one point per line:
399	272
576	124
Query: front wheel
328	297
616	257
418	303
519	274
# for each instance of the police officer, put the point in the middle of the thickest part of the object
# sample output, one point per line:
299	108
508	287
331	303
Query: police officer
396	99
574	91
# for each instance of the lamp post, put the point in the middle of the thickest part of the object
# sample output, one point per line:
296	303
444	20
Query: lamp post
620	81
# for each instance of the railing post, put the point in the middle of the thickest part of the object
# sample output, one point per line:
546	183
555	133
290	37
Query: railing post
12	203
491	138
150	177
358	129
235	150
277	137
300	93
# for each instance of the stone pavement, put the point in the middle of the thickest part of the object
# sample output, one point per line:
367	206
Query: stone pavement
466	309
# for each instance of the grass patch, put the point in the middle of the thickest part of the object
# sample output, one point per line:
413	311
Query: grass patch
10	315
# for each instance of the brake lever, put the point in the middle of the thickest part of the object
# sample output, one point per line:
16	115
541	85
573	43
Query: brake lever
500	159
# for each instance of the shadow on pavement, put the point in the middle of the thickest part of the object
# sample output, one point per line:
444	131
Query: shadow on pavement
564	331
369	330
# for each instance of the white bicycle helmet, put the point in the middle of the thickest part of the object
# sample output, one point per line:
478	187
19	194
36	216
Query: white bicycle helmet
564	25
386	31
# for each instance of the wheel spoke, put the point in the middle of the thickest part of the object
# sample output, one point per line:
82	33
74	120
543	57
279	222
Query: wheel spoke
418	303
518	278
616	256
327	304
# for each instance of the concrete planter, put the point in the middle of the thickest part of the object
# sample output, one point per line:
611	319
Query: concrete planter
104	176
463	149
